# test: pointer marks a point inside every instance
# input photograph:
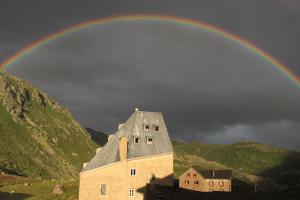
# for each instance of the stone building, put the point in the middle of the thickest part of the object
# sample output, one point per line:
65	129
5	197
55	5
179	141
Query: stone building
206	180
140	152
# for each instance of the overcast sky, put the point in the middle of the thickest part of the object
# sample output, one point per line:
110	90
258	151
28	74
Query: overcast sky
208	88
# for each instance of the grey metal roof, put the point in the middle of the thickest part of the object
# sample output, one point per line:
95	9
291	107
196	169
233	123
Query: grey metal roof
214	174
132	128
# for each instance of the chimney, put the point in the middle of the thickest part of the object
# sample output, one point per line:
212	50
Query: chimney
136	109
123	143
213	173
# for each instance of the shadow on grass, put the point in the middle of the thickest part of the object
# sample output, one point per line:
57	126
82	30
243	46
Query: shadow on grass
285	178
157	192
280	183
13	196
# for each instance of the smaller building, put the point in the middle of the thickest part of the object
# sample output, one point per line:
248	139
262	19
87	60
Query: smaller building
206	180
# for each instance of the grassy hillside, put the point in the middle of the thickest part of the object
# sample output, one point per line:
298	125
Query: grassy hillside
17	188
267	167
39	138
187	154
247	157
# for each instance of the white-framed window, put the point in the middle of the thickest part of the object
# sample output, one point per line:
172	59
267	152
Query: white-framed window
132	172
131	192
136	139
149	140
103	189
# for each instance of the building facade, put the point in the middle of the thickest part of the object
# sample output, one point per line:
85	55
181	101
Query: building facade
206	180
139	153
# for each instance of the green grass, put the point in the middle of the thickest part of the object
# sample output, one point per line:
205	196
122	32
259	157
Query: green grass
36	131
39	190
185	156
247	157
14	142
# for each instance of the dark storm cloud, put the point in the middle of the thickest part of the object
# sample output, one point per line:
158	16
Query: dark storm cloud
204	85
269	133
208	88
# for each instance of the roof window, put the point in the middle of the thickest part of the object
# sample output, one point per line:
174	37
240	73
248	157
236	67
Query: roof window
136	139
149	140
146	127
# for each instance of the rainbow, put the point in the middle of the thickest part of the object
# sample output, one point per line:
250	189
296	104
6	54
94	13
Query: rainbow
290	75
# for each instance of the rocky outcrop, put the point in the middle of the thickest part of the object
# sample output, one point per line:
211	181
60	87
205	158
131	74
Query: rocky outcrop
40	136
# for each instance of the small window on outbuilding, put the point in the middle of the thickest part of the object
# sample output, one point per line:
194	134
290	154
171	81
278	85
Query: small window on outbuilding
103	189
221	183
136	139
146	127
149	140
186	182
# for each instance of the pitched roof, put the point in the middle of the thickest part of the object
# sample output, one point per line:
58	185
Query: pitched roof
214	174
131	129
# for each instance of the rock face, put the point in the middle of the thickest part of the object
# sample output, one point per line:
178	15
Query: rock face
58	189
38	137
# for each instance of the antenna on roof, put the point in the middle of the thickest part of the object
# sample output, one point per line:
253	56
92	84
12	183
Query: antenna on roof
136	109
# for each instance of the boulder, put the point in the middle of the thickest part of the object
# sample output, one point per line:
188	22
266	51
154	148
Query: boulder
58	189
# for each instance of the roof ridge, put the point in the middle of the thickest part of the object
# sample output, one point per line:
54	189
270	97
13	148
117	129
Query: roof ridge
134	121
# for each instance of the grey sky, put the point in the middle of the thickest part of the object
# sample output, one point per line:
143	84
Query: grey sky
208	88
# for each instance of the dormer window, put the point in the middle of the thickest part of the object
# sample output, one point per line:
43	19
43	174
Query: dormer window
136	139
156	127
149	140
146	127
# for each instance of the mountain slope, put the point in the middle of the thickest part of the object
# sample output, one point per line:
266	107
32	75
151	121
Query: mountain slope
248	157
99	137
38	137
262	165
